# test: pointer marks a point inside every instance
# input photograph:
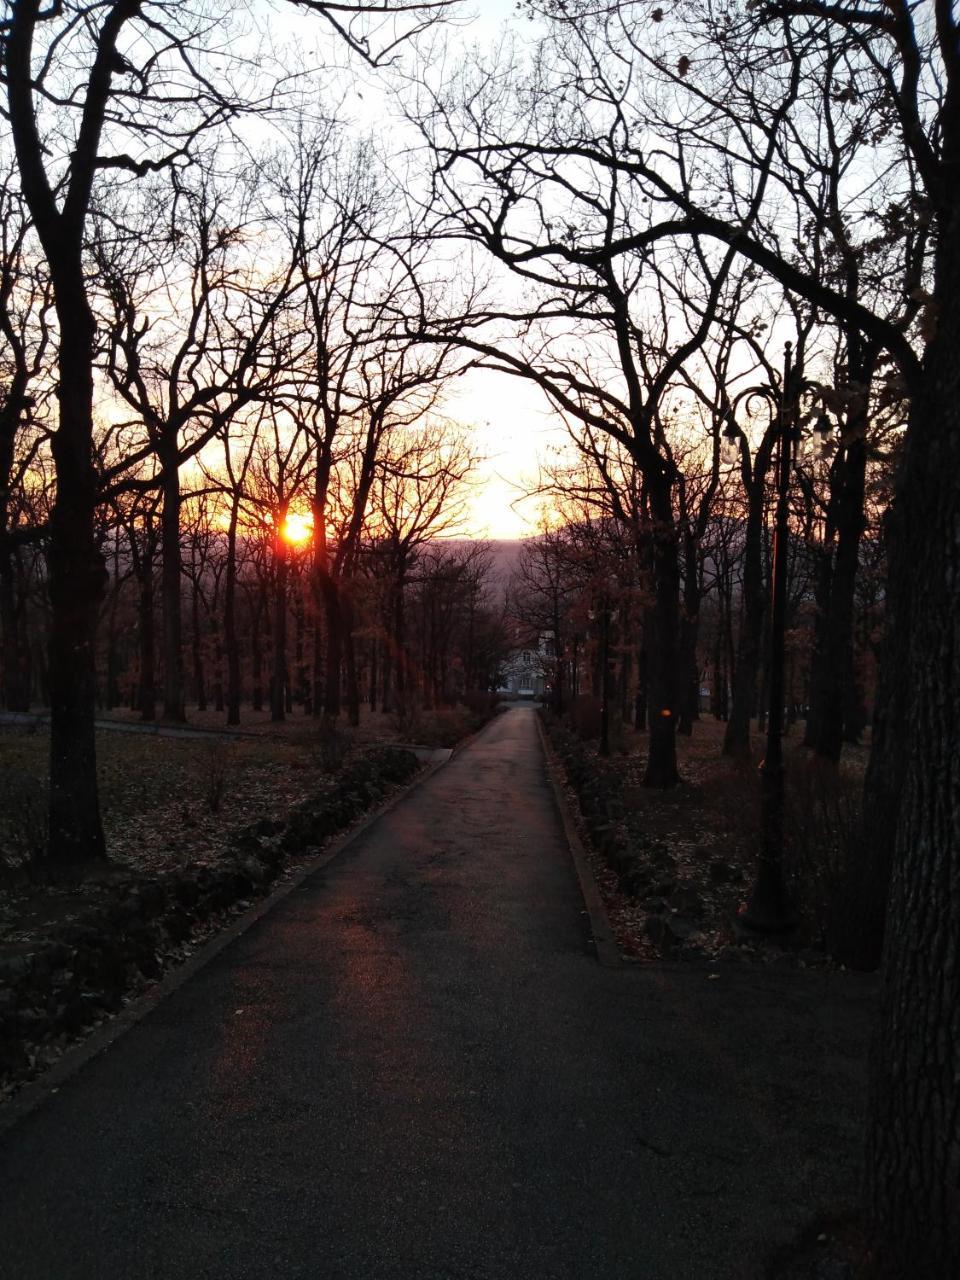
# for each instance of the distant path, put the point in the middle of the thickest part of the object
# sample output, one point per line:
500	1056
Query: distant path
412	1069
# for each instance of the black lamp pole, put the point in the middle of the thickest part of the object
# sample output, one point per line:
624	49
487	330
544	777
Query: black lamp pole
768	909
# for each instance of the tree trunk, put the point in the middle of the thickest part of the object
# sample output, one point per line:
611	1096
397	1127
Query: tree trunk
736	739
822	574
147	693
256	693
229	618
640	702
318	655
913	1164
302	690
350	662
16	661
661	770
199	674
77	581
374	673
688	674
173	698
278	680
334	656
833	655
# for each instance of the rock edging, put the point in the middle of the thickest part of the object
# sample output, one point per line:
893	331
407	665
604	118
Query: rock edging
89	968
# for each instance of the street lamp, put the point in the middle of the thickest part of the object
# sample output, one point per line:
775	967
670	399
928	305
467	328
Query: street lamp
768	910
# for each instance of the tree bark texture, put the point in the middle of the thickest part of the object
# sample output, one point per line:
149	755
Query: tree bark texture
77	583
914	1148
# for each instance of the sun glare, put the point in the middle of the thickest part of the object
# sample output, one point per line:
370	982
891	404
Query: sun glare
297	528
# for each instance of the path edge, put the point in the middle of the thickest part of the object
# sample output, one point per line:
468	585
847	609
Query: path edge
74	1059
605	946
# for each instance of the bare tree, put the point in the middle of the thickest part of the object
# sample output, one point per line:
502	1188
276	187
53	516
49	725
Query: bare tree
198	328
24	347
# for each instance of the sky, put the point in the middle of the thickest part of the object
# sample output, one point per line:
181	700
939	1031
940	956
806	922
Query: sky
512	427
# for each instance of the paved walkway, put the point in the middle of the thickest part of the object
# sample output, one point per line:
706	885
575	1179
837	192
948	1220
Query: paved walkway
412	1069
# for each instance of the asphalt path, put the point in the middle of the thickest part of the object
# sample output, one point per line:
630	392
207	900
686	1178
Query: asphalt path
412	1068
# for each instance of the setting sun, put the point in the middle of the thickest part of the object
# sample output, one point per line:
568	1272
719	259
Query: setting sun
297	528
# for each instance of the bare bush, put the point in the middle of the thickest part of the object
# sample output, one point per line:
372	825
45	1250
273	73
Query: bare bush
823	840
23	826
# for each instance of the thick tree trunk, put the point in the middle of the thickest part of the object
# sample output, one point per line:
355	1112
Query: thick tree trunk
16	658
77	580
170	582
913	1164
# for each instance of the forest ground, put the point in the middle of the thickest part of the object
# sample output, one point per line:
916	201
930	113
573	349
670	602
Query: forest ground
697	847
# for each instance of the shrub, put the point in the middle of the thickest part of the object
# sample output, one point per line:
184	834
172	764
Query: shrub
585	716
329	748
407	712
23	823
217	768
822	850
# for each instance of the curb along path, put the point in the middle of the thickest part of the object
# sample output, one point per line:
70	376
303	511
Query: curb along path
410	1068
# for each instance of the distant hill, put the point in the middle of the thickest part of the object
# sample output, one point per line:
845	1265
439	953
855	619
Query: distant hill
506	558
504	552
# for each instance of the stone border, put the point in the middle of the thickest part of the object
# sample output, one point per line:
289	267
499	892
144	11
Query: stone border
117	952
604	943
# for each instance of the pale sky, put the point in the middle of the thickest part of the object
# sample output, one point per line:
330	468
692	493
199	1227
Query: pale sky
513	428
510	421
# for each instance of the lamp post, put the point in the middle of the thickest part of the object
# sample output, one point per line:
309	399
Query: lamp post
768	909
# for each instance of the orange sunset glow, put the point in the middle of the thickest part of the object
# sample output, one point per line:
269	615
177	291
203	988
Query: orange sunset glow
297	528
